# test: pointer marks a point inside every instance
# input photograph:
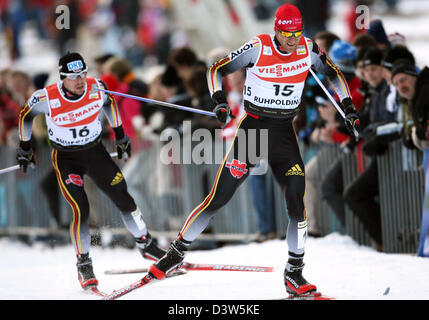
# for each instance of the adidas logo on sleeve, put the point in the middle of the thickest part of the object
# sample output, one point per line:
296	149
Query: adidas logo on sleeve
118	178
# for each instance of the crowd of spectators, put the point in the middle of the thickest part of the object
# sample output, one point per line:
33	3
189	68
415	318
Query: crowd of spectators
134	29
381	73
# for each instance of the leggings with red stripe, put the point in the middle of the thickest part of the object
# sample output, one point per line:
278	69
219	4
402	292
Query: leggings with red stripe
95	162
283	156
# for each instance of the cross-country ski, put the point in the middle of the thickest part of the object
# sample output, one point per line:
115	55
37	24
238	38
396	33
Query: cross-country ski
198	267
146	280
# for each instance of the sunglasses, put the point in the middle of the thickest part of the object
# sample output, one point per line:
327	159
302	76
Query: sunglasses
288	34
74	76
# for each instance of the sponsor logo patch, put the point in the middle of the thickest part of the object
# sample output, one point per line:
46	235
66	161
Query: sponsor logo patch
93	94
301	50
283	70
245	47
55	103
267	51
237	168
289	21
77	115
75	179
295	171
37	99
118	178
75	66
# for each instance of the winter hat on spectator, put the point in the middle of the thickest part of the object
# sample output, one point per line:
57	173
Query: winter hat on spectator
361	53
376	29
404	66
103	58
288	18
395	53
396	39
170	78
39	80
343	55
362	40
373	56
72	62
138	87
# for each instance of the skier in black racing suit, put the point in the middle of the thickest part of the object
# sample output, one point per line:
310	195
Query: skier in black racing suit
277	66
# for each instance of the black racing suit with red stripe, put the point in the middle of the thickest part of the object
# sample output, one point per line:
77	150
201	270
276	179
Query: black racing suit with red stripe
72	163
282	151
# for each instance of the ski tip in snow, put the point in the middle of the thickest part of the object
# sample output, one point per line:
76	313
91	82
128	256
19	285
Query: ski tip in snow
93	290
146	280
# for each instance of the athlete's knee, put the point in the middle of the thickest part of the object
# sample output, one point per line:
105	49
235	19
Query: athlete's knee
126	204
294	195
121	197
219	199
80	206
124	201
216	204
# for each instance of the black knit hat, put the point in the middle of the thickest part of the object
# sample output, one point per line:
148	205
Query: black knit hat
373	56
71	63
404	66
395	53
376	29
170	78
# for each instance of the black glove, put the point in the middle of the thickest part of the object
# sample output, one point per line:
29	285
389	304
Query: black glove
222	110
351	118
123	146
24	156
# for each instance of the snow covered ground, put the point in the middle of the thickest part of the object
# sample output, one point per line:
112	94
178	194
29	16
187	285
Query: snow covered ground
336	264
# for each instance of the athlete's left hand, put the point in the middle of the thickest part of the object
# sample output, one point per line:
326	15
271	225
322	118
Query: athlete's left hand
123	146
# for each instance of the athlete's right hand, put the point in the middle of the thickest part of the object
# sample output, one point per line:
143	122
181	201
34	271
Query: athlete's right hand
25	158
223	113
222	110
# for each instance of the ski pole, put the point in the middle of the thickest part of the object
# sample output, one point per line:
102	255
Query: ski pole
9	169
16	167
328	94
161	103
340	111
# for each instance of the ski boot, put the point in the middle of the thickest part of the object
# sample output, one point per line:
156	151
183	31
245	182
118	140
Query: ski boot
148	248
296	285
170	262
85	272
